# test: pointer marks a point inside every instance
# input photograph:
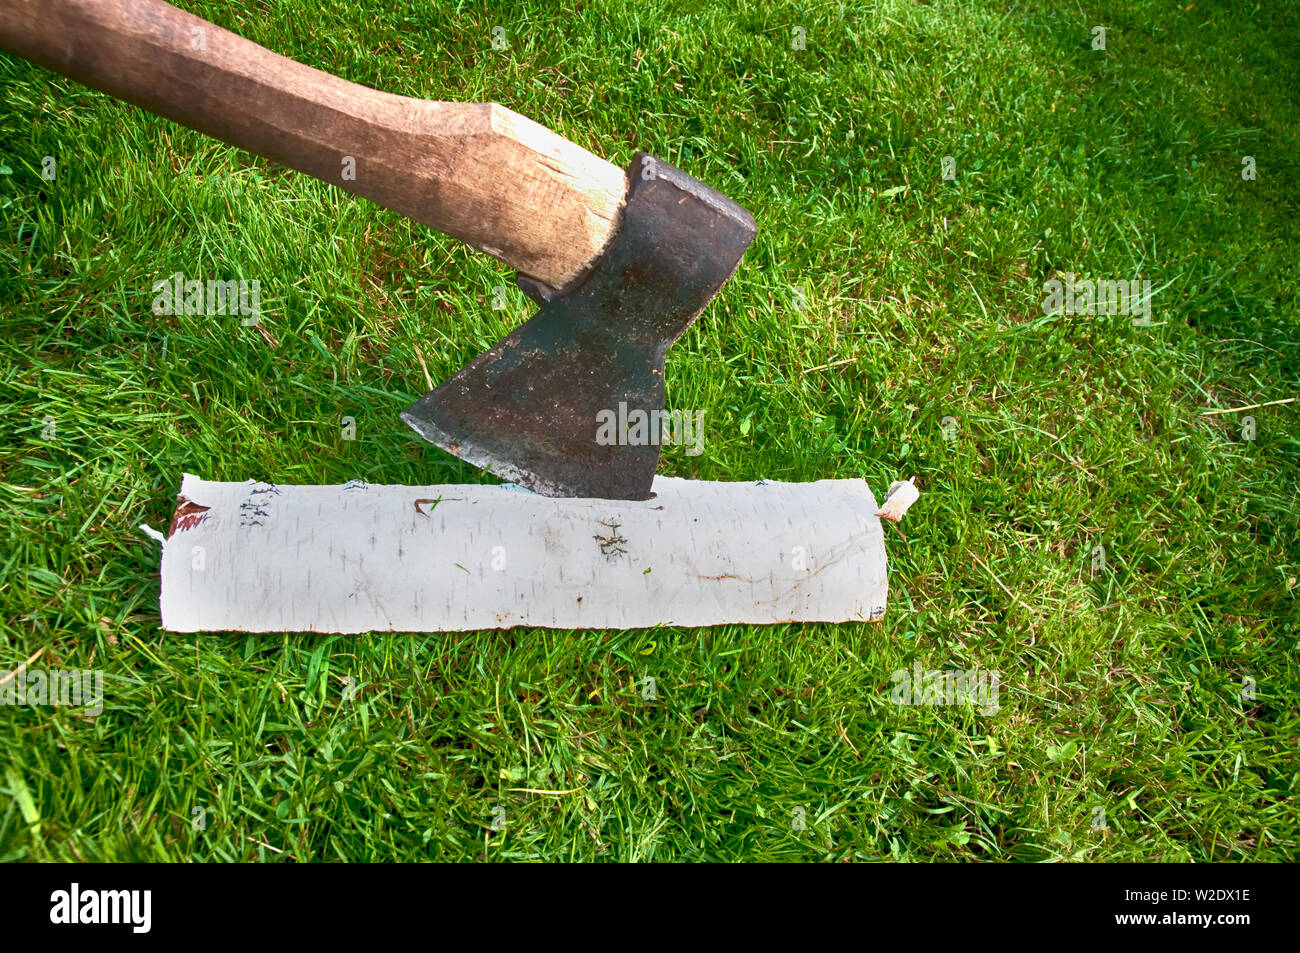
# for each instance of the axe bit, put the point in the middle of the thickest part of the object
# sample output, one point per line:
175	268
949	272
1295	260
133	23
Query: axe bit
621	263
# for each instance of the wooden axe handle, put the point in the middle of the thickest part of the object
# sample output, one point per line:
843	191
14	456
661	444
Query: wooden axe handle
477	171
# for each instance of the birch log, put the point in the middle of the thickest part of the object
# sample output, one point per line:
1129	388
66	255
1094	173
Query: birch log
257	557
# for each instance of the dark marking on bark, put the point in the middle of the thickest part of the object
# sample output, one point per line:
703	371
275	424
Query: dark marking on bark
611	546
253	514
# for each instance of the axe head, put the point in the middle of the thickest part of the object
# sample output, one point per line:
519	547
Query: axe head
536	408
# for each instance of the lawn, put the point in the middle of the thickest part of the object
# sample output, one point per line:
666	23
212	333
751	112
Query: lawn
887	322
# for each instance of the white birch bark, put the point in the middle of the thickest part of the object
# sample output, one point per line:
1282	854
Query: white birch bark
357	558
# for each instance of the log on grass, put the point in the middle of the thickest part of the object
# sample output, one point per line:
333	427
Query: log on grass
352	558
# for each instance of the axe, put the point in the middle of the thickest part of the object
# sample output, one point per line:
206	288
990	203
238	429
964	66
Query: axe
620	262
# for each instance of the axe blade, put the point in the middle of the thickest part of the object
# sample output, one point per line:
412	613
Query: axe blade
530	408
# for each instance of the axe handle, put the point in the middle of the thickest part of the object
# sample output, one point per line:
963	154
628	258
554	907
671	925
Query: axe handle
477	171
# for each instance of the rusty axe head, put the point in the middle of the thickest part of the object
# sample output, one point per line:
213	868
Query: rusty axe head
529	408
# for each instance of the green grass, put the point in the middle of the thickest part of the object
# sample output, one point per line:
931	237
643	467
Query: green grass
1120	691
